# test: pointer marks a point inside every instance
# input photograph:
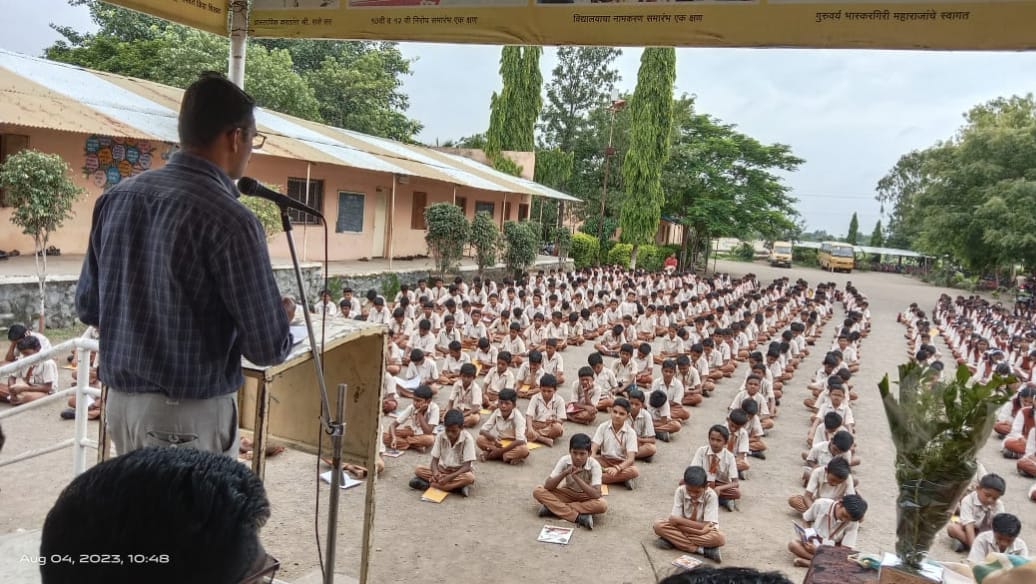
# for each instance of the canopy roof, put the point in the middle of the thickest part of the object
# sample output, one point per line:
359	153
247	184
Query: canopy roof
38	93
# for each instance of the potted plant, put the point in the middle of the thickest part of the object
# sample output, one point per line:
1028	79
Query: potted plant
937	428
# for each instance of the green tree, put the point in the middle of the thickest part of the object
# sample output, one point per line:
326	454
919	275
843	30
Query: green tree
522	240
39	188
447	233
582	81
651	113
513	112
553	169
485	238
854	230
877	240
722	183
353	85
268	213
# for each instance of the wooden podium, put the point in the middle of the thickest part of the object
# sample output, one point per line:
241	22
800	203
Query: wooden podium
283	401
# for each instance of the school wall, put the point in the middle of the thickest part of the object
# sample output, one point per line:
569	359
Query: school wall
72	237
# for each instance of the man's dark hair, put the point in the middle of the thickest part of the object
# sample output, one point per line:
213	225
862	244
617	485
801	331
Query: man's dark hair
203	511
211	106
710	575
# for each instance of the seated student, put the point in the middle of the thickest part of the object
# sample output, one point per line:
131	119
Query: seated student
573	489
691	381
1014	444
751	391
836	522
835	403
500	327
586	396
466	396
693	523
422	369
1005	416
393	358
611	342
832	423
661	416
754	428
673	389
474	330
1001	539
840	445
646	325
536	335
1027	463
527	380
829	482
699	362
452	364
31	382
721	466
447	335
424	339
208	507
414	426
576	330
625	369
389	398
592	321
642	363
615	447
976	511
505	423
498	379
514	344
557	329
739	443
672	345
604	378
546	413
453	453
717	370
642	424
553	362
485	356
400	328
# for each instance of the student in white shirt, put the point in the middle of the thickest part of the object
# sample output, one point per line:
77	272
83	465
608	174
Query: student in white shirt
505	423
573	489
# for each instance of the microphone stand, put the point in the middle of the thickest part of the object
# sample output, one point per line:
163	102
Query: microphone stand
335	428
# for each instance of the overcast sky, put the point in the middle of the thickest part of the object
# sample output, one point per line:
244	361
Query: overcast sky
849	114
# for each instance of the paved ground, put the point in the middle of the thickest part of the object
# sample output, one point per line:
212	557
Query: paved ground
492	535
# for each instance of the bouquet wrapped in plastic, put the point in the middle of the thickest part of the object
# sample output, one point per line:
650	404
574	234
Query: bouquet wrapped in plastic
937	427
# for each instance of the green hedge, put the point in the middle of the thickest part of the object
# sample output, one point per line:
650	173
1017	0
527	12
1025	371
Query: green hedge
619	254
585	250
650	258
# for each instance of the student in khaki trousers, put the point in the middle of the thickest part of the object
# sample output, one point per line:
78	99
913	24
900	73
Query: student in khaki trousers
693	524
452	455
615	446
573	489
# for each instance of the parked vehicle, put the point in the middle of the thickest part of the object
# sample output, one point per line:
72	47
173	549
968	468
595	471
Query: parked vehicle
836	256
780	254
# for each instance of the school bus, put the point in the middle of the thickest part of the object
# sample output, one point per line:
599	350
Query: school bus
836	256
780	254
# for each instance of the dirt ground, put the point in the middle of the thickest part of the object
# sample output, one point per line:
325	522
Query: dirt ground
492	535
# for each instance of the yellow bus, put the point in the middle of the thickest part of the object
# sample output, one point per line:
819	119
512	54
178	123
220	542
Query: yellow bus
836	256
780	254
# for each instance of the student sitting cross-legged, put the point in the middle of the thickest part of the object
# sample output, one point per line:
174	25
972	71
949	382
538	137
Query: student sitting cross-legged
573	489
642	424
693	524
1002	539
452	455
830	482
835	523
505	423
615	446
546	413
720	465
467	396
414	426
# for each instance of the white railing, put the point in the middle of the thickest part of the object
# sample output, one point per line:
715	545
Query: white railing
79	442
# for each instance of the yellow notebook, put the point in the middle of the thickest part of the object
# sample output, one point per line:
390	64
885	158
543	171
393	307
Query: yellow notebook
529	445
604	490
484	411
433	495
525	387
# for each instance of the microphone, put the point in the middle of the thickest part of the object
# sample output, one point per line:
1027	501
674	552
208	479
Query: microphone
249	186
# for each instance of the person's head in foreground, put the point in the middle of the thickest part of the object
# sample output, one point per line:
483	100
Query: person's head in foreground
172	515
710	575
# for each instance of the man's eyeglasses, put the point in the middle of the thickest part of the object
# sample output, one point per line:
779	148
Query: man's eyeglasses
266	574
258	140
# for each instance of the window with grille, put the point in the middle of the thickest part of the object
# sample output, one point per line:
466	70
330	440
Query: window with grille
313	198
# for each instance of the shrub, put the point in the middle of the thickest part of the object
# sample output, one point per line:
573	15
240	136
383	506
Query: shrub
804	256
619	254
522	242
448	231
648	258
485	238
562	243
744	252
585	250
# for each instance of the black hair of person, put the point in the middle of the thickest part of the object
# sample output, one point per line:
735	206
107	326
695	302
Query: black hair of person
855	506
695	476
548	380
721	429
468	369
622	403
993	481
579	442
838	467
585	372
509	395
453	418
832	420
1007	524
658	398
738	416
750	406
729	575
205	512
634	392
423	392
843	440
211	106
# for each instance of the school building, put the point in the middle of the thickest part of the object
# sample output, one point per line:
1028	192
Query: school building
372	191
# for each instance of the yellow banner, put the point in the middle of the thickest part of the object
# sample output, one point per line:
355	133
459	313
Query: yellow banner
774	23
208	15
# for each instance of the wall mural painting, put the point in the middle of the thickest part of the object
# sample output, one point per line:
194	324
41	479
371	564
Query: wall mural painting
110	160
